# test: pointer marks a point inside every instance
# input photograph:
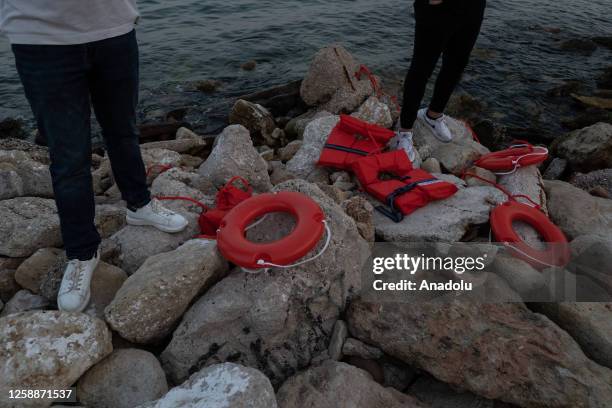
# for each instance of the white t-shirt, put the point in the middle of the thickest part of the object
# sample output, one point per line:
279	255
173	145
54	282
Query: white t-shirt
65	22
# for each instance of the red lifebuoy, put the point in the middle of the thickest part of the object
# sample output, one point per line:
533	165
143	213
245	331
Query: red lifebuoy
502	218
510	159
308	230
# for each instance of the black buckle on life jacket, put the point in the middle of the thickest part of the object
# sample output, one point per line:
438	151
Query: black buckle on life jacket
345	149
394	214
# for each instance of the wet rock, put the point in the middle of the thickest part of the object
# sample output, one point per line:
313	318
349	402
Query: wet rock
27	224
208	85
153	299
586	149
330	83
11	128
603	41
125	379
295	127
446	220
480	172
360	210
24	301
576	212
356	348
580	46
492	135
220	385
339	385
431	165
555	169
233	154
34	270
257	119
464	106
53	350
375	112
249	65
598	178
106	281
499	351
593	101
566	89
304	163
336	342
286	153
588	117
521	276
279	320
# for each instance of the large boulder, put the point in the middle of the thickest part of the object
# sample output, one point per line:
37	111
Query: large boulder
27	224
591	258
179	183
125	379
257	119
277	320
445	220
598	179
33	271
22	176
496	350
24	301
458	157
586	149
48	350
234	155
152	300
577	212
339	385
106	281
331	83
304	162
220	386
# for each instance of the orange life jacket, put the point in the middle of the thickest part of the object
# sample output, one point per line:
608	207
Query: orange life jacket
409	190
352	139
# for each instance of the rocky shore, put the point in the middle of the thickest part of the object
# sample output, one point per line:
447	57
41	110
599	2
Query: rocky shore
173	324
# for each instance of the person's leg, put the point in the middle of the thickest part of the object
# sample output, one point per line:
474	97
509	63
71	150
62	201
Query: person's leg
456	54
55	82
114	95
429	40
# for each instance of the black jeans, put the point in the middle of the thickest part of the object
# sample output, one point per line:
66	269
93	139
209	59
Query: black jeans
451	30
61	83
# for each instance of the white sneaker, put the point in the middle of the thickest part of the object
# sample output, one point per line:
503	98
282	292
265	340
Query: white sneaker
438	126
156	215
403	140
74	292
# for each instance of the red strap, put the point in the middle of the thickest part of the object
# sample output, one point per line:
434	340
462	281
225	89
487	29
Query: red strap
511	197
375	85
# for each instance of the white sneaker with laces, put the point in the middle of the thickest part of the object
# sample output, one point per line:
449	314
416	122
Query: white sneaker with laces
438	126
403	140
74	292
156	215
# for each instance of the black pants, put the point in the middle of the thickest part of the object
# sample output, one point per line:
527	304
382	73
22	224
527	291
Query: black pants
451	30
61	83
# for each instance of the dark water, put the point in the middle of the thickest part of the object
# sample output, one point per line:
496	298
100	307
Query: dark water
517	58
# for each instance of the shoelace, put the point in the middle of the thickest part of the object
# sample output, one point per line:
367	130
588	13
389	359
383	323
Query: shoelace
160	209
76	276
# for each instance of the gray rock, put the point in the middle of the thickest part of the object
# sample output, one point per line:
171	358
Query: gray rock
286	153
431	165
480	172
521	276
336	342
27	224
356	348
555	169
591	257
156	160
53	350
445	220
153	299
426	142
279	320
500	351
257	119
124	379
576	212
109	219
458	157
586	149
280	174
233	154
22	176
375	112
339	385
331	84
8	285
33	271
360	209
184	143
220	386
295	127
304	163
106	281
593	180
24	301
179	183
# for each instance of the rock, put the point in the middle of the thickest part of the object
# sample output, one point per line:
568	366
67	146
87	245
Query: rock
136	243
603	41
339	385
233	154
304	162
157	160
446	220
218	386
125	379
588	323
576	212
480	172
579	45
456	158
586	149
295	127
492	135
178	183
521	276
153	299
208	85
33	271
249	65
106	281
464	106
109	219
356	348
12	129
499	351
566	89
598	178
360	209
590	257
331	84
27	224
555	169
8	285
431	165
1	305
23	176
593	101
24	301
280	174
286	153
336	342
375	112
276	321
266	153
257	119
48	350
194	147
604	81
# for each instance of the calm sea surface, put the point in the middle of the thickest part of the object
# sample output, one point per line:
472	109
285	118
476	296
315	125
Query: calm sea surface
517	60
